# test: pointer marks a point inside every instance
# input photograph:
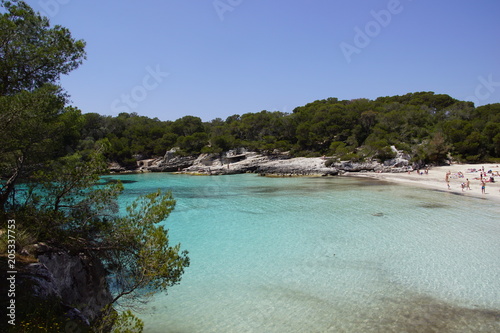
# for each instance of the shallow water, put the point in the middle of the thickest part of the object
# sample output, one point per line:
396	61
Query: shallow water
326	255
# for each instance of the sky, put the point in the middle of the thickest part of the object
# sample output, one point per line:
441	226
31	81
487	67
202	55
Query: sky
212	59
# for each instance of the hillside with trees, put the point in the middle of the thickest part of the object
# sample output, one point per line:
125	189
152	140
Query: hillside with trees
429	127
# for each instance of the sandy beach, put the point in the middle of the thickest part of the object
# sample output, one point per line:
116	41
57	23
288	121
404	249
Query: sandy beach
436	179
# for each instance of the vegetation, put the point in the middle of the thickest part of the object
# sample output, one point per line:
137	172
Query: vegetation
50	178
429	127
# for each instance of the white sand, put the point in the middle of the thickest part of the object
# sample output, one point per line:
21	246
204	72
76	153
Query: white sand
435	179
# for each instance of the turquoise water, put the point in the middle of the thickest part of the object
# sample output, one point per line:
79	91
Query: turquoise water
326	255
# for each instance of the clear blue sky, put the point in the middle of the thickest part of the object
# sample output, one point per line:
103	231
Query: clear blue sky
216	58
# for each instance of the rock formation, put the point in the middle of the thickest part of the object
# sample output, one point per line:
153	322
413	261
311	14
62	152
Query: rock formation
275	164
77	281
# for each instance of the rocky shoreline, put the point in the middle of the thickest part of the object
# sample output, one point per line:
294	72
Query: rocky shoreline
276	164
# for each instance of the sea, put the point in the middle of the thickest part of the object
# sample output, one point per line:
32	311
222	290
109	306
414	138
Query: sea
325	254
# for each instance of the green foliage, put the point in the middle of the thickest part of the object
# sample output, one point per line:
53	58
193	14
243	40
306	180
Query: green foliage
32	52
67	207
57	153
378	148
33	125
432	151
187	125
329	162
70	208
114	322
339	148
193	144
30	127
145	259
126	322
366	128
43	315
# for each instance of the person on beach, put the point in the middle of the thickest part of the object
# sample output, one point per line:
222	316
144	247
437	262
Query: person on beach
483	187
467	184
447	177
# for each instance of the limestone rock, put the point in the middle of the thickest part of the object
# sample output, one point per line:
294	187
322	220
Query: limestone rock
349	166
78	281
275	164
266	165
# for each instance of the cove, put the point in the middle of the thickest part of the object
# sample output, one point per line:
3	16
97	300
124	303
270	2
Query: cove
328	254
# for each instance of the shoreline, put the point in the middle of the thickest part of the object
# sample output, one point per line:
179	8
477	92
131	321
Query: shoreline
435	179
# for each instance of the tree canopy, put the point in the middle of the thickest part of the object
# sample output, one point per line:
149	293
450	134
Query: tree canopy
430	127
33	53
